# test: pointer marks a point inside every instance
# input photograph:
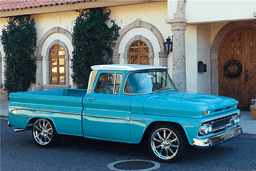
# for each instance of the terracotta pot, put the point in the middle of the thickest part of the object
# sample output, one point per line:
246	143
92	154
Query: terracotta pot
253	111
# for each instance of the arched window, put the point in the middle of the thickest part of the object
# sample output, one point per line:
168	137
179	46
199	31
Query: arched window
139	53
57	65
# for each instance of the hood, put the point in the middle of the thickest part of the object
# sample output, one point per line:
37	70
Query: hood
184	104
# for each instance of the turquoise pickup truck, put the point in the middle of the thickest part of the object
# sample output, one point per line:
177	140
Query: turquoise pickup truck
130	104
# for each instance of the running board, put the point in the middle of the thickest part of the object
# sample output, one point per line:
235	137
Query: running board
20	130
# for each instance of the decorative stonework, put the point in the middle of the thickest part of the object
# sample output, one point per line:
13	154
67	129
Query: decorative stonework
163	58
180	14
116	58
48	34
144	39
179	58
39	74
39	58
215	48
47	57
39	71
137	24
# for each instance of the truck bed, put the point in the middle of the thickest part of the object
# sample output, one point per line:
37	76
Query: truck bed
63	106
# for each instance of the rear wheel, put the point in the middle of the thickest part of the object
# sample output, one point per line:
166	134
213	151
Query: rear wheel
167	143
44	133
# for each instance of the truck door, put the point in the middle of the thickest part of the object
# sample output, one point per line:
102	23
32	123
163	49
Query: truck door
107	113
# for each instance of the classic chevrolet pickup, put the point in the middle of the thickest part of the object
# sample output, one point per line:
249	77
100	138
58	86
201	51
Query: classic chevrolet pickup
128	103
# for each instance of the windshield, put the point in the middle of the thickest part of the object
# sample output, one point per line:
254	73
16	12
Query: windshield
148	82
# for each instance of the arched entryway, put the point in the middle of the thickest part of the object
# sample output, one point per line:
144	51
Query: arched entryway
237	65
162	54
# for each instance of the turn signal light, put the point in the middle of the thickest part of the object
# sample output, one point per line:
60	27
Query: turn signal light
206	112
14	112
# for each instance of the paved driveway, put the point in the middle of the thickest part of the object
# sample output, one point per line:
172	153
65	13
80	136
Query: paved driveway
19	152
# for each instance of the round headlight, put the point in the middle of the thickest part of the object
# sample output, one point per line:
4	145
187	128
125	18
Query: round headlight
205	129
210	129
237	119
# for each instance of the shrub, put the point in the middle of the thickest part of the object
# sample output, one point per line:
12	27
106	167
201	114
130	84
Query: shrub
19	43
92	41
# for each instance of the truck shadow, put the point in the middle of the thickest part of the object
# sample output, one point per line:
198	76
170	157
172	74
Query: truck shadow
139	151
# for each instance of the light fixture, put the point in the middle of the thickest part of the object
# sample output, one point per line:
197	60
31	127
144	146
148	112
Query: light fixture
168	44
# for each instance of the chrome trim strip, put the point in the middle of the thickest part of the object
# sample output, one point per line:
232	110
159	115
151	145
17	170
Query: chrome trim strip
114	118
14	113
105	117
44	111
215	140
38	105
74	114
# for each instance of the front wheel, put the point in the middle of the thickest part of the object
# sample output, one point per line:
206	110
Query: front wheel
44	133
167	142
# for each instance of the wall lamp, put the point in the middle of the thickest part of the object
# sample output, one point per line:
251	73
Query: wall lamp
168	44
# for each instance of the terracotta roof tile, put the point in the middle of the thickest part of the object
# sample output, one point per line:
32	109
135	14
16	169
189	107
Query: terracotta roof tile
24	4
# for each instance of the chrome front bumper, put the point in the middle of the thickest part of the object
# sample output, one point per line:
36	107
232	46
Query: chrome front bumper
215	140
8	123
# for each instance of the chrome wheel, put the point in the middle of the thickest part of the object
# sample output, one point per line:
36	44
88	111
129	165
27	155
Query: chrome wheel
164	143
43	132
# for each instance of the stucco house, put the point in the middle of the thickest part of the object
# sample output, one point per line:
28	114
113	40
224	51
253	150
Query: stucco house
214	41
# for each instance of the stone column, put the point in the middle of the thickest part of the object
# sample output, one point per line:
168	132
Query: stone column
39	73
126	58
163	58
116	58
179	58
178	24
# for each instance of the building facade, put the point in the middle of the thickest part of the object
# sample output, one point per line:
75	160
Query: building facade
219	34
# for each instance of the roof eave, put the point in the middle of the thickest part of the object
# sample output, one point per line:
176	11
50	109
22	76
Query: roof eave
71	7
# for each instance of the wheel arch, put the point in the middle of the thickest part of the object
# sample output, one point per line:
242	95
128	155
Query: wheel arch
153	124
33	120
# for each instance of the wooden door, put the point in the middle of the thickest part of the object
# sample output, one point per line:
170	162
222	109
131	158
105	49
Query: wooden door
57	65
237	52
139	53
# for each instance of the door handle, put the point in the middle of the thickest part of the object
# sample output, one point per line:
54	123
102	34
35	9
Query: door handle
91	99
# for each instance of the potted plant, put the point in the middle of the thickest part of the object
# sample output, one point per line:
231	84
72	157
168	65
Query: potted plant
253	108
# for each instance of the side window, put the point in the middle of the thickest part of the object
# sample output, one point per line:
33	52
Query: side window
108	83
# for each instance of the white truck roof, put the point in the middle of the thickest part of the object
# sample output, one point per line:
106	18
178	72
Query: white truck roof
126	67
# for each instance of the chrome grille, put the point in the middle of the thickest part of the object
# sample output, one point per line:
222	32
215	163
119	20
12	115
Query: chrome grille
221	122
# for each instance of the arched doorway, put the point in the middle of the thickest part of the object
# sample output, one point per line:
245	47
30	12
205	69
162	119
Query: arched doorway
139	53
237	52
